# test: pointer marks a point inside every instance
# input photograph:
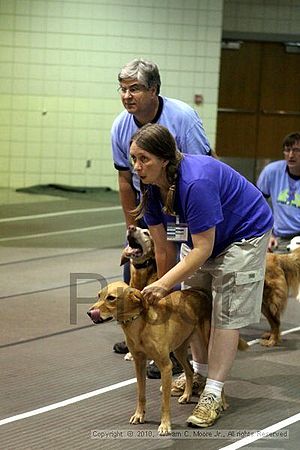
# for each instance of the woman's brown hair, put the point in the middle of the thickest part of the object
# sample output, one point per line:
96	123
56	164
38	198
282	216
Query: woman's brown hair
158	141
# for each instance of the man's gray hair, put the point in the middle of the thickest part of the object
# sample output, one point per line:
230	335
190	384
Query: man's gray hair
146	72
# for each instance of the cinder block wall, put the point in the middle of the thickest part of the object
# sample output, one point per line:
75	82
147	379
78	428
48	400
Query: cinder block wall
58	69
58	78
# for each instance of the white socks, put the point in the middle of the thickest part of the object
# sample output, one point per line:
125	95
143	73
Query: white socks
202	369
213	387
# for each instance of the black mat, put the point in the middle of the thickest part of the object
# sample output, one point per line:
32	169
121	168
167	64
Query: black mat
62	190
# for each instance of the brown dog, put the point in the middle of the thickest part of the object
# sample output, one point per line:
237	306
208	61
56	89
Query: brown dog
153	332
282	275
140	253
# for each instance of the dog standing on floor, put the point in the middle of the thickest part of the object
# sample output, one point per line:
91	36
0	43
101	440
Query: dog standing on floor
282	276
140	253
155	331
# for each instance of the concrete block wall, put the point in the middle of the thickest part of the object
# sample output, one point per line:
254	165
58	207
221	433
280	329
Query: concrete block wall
58	78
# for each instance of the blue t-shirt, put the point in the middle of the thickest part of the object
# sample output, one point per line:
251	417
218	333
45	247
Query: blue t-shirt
181	120
284	190
210	194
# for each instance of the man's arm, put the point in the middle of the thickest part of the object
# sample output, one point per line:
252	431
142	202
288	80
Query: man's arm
127	195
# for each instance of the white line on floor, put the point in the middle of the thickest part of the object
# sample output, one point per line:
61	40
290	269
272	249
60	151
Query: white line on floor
262	433
61	213
112	387
55	233
291	330
67	402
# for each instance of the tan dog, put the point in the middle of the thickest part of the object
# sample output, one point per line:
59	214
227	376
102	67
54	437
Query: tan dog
140	253
295	243
153	332
282	275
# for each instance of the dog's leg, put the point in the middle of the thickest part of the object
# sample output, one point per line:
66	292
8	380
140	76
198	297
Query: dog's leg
181	355
140	361
271	338
165	367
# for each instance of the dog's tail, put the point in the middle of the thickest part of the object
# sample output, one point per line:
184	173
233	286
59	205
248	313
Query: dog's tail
290	264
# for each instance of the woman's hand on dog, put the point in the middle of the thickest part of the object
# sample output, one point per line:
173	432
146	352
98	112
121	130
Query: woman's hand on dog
154	292
273	243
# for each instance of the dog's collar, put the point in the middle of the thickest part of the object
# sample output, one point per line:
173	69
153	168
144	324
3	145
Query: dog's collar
131	319
147	263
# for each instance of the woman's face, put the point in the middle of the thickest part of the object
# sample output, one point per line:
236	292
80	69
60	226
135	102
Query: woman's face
150	168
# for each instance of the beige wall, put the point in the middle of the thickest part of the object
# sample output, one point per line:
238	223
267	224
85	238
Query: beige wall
262	16
59	62
58	66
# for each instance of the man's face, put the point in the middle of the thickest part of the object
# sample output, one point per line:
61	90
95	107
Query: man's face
135	97
292	156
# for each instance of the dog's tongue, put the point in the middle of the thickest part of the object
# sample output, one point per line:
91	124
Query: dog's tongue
133	251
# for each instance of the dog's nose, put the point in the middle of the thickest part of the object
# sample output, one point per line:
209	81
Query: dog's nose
131	228
94	314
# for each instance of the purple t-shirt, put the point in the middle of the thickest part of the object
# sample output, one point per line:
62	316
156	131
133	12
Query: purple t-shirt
210	194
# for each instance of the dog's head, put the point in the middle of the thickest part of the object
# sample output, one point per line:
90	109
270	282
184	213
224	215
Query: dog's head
117	300
140	246
294	244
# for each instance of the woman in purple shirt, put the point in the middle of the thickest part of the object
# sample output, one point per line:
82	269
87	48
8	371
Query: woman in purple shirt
226	222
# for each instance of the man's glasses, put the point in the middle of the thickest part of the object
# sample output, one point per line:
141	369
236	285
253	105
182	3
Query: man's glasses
295	150
132	90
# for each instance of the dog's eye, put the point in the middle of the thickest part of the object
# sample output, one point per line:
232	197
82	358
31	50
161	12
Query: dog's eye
110	298
146	232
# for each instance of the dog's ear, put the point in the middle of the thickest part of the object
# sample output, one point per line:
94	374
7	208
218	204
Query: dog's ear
136	296
151	313
124	257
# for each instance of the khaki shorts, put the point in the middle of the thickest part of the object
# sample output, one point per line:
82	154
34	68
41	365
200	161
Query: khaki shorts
236	280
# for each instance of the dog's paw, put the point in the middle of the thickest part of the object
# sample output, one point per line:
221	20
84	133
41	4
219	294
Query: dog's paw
164	429
138	417
184	398
268	342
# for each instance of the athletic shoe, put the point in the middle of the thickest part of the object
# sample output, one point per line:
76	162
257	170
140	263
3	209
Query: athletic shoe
121	347
206	412
154	372
178	385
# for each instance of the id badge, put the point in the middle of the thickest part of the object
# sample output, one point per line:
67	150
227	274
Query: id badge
177	231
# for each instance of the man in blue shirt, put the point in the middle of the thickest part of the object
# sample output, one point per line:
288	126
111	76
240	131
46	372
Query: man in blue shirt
139	88
280	181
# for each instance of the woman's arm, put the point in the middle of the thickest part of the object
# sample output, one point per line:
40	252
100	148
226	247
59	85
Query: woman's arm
203	246
165	251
